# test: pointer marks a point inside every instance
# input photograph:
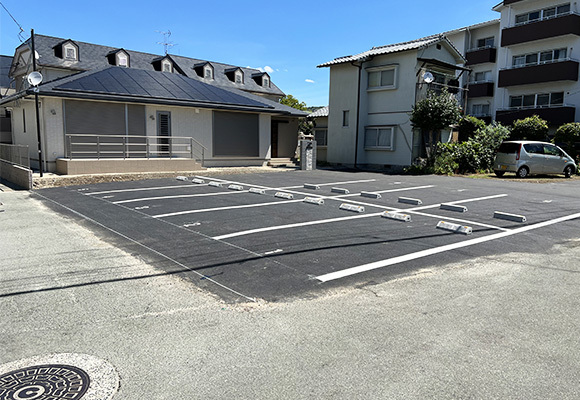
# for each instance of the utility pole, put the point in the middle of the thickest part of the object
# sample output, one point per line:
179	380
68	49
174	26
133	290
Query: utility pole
37	106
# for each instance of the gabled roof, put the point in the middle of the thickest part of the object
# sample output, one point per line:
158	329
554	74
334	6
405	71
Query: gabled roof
392	48
152	87
93	56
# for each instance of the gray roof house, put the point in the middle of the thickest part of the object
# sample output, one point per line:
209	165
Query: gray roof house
106	109
372	94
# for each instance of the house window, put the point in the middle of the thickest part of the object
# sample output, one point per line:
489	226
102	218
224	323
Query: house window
480	110
70	52
166	66
382	79
345	116
485	42
379	137
266	82
537	100
208	73
320	135
239	78
484	76
122	60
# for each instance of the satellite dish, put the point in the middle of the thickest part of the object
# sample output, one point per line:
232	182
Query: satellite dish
428	77
35	78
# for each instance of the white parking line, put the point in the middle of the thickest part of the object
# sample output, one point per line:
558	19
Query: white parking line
340	219
144	189
425	253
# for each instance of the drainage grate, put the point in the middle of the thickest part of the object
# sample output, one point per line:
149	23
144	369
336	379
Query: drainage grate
51	381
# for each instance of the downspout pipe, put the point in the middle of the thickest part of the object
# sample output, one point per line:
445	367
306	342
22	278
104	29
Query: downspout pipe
358	64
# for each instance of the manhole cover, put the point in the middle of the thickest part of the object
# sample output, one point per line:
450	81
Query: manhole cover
52	381
58	376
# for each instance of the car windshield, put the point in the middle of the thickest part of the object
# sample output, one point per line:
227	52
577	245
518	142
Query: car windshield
509	148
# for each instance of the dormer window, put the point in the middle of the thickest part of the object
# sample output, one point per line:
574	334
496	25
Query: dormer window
119	58
166	66
239	77
67	50
262	79
235	75
122	60
204	70
208	72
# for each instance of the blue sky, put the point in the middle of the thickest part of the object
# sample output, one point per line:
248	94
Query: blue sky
287	38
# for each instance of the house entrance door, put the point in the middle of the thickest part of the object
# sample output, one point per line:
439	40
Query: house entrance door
163	133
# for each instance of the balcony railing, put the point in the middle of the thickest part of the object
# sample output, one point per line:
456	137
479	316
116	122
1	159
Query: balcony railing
561	70
557	114
85	146
545	18
486	54
539	63
559	25
423	90
480	89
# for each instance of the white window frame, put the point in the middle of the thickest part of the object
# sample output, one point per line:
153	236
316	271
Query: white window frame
380	70
207	69
378	130
122	56
239	74
266	81
538	54
166	63
487	77
485	40
543	14
73	48
481	112
324	133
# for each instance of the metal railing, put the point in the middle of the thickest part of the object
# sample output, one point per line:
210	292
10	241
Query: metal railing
539	62
15	154
88	146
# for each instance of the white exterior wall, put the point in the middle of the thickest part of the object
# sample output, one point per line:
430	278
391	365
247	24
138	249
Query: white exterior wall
342	96
389	107
26	137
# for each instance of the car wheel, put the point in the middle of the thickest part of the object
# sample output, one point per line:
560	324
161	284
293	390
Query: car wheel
568	171
499	174
523	172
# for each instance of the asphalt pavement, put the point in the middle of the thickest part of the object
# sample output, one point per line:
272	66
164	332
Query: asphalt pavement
486	322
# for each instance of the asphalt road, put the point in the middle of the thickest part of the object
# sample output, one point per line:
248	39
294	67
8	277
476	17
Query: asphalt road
497	320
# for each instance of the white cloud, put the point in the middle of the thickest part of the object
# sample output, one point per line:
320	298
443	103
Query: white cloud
309	80
268	69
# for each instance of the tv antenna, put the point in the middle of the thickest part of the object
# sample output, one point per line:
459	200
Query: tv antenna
21	32
166	43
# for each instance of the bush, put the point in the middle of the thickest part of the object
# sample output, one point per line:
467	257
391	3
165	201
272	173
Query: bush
475	155
568	135
531	128
467	127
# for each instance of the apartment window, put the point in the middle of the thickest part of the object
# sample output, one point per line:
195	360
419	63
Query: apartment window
537	100
485	42
379	137
542	14
382	78
321	135
480	110
540	57
345	117
483	76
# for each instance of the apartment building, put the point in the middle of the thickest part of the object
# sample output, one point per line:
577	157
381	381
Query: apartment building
522	64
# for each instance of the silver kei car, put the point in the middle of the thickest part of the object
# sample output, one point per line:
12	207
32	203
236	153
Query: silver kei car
525	157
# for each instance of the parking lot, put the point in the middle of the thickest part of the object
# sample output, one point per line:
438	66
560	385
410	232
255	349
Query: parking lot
254	236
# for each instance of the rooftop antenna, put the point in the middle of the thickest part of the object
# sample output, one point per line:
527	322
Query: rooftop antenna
21	32
166	44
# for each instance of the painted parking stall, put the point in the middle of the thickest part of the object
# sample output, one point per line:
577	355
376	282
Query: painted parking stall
237	239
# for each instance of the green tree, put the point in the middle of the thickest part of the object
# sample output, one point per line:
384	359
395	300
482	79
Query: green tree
433	113
531	128
568	135
291	101
467	127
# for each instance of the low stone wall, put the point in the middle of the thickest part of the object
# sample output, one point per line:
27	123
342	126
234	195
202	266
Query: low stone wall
119	166
16	174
